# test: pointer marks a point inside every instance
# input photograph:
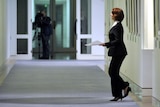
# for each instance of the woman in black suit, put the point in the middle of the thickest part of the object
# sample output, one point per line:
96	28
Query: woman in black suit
117	51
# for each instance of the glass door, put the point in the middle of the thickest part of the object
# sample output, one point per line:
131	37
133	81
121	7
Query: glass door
64	39
62	43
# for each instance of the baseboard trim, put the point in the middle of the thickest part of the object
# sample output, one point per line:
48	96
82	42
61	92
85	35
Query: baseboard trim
142	94
155	102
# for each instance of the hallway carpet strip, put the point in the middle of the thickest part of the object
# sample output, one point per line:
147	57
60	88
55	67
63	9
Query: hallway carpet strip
58	84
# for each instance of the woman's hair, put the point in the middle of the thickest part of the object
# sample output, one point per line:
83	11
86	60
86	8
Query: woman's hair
118	14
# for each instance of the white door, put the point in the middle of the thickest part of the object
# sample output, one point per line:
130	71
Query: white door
90	27
20	28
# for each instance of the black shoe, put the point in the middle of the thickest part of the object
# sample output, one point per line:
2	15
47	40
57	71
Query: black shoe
117	99
126	91
126	84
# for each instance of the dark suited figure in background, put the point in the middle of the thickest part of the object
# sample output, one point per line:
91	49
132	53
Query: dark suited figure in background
117	51
46	31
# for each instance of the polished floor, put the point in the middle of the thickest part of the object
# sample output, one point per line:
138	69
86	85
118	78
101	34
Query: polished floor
97	98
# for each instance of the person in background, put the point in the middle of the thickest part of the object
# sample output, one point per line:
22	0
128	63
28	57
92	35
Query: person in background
117	50
46	31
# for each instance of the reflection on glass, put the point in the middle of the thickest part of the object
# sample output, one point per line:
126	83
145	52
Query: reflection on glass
85	16
38	5
85	49
63	36
22	17
22	46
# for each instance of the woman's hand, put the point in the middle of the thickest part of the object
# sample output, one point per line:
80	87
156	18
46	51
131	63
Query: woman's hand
102	44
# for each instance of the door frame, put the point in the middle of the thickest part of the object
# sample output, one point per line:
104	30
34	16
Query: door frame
12	27
97	8
72	29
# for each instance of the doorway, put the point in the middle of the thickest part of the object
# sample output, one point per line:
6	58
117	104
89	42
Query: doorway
63	40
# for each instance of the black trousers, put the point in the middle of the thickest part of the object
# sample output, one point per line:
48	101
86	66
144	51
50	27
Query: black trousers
45	46
117	83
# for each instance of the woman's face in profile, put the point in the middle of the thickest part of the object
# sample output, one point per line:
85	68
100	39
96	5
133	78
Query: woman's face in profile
112	16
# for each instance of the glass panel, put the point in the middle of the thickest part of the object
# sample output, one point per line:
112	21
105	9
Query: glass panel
62	42
41	5
38	5
63	36
85	17
22	46
85	49
22	17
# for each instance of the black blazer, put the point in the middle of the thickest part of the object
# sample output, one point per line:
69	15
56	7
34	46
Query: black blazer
46	26
116	44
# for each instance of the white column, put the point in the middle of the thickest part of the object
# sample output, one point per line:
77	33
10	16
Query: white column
148	41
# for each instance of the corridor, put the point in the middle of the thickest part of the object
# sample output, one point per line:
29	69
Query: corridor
40	83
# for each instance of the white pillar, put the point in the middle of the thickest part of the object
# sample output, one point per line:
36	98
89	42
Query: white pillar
148	41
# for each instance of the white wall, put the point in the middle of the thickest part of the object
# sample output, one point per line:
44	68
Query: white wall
156	73
3	37
1	33
132	64
148	42
156	61
98	30
12	22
